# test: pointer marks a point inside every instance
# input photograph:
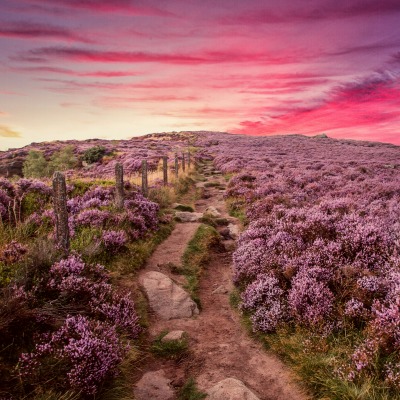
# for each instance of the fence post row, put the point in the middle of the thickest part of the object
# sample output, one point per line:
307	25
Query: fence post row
176	165
165	170
60	210
119	186
183	162
145	185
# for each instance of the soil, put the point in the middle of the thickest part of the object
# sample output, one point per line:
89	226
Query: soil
219	345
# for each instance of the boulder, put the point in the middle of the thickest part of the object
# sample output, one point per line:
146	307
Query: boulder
173	335
230	389
166	298
154	385
186	216
212	212
233	231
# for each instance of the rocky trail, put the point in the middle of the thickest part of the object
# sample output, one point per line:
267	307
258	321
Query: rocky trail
223	360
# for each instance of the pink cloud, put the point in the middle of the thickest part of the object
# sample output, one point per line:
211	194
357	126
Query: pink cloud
70	72
100	6
202	57
362	108
29	30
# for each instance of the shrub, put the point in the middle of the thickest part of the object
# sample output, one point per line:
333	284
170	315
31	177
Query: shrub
94	154
35	165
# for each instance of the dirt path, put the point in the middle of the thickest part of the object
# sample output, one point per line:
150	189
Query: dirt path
220	347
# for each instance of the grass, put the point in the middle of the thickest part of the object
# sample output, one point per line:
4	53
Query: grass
189	391
139	251
121	386
197	256
236	208
171	349
183	207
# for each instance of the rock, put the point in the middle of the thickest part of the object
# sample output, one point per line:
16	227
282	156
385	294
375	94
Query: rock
166	298
229	245
233	231
220	290
212	212
186	216
174	335
154	385
230	389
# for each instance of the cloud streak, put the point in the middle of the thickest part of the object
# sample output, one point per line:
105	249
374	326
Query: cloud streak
7	132
46	54
126	7
29	30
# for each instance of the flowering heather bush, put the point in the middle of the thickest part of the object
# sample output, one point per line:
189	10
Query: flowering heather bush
12	252
88	287
323	239
87	351
114	241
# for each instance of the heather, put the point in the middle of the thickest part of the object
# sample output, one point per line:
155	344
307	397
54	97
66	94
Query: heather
68	323
318	259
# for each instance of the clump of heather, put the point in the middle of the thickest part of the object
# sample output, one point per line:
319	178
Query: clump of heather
79	326
12	252
86	351
320	251
114	241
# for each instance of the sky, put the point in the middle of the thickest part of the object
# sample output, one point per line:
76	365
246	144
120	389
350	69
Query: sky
79	69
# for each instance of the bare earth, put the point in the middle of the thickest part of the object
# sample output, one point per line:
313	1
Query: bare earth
220	347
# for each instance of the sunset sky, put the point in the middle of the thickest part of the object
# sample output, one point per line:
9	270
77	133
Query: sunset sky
77	69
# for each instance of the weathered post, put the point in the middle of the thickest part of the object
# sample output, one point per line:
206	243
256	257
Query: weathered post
188	159
119	186
60	211
176	165
183	162
145	185
165	170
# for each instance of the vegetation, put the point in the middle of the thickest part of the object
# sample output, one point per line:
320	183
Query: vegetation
94	154
36	165
189	391
171	349
196	257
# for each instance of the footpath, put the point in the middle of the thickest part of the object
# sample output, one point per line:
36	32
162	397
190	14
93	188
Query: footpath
222	359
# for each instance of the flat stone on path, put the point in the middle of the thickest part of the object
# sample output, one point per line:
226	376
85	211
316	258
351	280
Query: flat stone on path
166	298
187	216
212	212
173	335
233	231
155	386
231	389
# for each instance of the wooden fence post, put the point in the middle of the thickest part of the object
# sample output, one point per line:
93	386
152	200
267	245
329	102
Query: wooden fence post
165	170
60	210
119	186
183	162
176	165
145	184
188	159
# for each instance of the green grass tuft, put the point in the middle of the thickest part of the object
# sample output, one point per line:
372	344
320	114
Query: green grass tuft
171	349
197	256
189	391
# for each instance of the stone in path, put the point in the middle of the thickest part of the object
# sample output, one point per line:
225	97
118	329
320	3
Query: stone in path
212	212
233	231
186	216
230	389
173	335
166	298
155	386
